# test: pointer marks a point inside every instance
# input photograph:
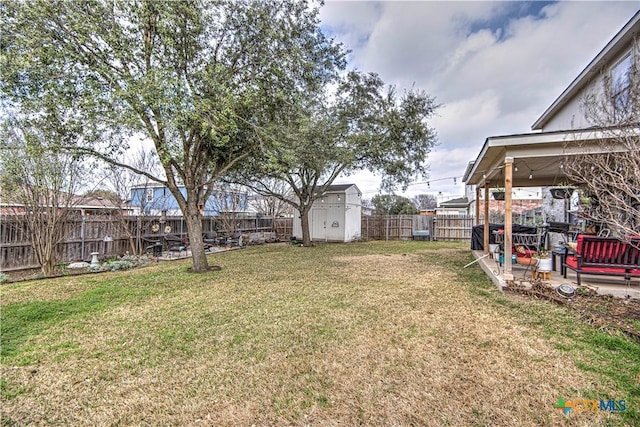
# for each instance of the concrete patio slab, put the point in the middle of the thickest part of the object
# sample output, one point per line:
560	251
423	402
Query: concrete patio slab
603	285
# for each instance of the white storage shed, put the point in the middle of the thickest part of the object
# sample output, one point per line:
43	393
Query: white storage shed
335	217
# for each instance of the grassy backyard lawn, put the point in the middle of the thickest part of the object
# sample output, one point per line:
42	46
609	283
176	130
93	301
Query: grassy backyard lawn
375	333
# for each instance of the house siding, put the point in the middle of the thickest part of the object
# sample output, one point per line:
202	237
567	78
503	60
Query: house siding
163	200
572	115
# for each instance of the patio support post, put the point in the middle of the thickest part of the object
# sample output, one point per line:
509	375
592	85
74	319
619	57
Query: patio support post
477	206
508	221
485	242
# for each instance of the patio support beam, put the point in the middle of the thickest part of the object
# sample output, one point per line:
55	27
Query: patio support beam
477	208
508	220
485	242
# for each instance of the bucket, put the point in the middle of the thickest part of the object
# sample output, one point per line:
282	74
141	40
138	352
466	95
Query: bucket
545	264
514	258
493	250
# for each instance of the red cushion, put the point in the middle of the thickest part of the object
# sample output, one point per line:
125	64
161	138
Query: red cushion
579	243
572	262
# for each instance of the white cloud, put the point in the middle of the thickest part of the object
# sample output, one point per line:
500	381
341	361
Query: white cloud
496	66
465	120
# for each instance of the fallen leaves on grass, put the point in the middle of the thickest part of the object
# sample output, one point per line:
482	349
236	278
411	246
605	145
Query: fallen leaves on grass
601	311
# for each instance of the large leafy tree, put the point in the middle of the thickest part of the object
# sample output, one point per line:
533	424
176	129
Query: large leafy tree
199	78
392	204
424	201
361	125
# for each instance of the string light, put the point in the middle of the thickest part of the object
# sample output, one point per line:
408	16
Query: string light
531	174
455	181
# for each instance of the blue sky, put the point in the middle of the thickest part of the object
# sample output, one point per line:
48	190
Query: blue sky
495	66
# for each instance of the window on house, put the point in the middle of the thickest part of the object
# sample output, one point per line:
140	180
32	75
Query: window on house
149	193
620	85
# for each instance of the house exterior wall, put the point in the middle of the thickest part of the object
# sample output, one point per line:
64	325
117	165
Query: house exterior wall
572	115
451	211
154	200
518	207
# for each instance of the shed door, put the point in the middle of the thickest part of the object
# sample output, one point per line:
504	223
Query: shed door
319	224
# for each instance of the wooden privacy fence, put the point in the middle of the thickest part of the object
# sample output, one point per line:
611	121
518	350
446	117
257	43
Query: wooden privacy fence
454	227
402	227
115	236
109	236
387	227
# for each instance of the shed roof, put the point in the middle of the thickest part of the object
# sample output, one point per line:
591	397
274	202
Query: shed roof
339	187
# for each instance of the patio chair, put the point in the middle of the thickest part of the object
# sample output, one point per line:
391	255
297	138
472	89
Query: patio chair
176	244
235	239
561	228
210	238
152	246
529	244
525	244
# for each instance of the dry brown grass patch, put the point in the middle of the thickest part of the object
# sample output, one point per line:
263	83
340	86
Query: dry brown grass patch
371	339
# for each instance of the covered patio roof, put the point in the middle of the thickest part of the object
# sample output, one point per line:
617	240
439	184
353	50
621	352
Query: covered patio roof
537	157
527	160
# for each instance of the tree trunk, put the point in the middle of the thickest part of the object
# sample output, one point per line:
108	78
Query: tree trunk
193	220
132	245
304	222
46	254
44	237
48	268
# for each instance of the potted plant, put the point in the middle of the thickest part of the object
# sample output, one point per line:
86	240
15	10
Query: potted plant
498	193
562	192
545	263
526	261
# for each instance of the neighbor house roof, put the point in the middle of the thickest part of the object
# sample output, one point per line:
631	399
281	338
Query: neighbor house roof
461	202
75	203
90	202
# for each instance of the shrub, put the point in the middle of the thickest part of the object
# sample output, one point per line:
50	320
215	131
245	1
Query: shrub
124	263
